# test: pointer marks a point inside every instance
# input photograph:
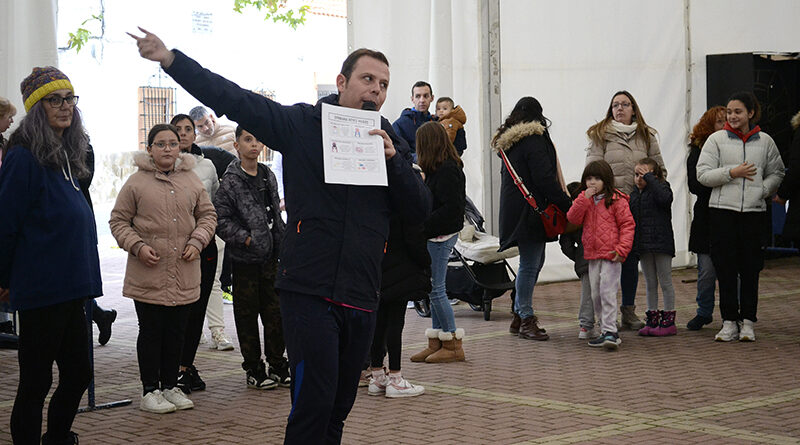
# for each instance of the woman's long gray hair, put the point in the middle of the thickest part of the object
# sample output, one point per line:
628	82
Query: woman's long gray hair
35	134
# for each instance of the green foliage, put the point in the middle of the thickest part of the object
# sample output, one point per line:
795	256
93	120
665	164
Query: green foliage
82	35
275	10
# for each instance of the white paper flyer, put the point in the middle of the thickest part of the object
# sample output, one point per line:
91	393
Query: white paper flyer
350	154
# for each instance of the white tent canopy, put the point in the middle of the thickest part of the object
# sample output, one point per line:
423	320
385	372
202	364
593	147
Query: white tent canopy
572	56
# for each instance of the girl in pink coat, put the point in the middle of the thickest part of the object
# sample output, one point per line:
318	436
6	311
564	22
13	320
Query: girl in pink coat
608	230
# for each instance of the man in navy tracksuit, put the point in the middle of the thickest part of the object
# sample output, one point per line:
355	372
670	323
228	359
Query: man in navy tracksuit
330	261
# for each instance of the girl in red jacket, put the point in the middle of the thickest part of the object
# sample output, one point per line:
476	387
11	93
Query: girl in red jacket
608	230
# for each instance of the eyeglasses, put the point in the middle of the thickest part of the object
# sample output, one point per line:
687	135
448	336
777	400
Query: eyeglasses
616	105
162	145
57	101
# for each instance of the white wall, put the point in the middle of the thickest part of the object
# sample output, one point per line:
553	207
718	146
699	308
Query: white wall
572	56
27	39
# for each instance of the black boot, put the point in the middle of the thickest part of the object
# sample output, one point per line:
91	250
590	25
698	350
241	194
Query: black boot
104	319
71	439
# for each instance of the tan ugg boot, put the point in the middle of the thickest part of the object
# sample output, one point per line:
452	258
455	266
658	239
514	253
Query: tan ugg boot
629	320
451	351
434	344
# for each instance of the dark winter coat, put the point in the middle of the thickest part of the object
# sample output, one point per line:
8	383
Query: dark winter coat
407	264
336	233
242	213
572	246
448	186
48	237
407	124
652	210
532	154
219	157
790	188
699	234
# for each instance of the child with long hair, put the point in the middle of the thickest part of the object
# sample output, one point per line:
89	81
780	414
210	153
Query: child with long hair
651	203
444	175
608	230
743	167
163	218
712	121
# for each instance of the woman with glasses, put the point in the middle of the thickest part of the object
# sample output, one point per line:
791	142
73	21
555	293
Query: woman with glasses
163	218
48	256
622	138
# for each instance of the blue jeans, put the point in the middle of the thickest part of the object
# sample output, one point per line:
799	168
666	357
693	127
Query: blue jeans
706	284
531	260
629	279
441	312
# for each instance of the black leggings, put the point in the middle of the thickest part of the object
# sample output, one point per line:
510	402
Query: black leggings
161	330
388	334
52	333
197	310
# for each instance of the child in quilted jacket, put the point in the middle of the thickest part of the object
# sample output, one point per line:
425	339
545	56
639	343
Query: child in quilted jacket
608	230
651	207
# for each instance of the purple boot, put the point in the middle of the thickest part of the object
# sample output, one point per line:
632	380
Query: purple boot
667	325
651	324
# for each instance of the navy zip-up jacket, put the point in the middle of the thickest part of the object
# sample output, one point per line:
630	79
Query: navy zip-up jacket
407	124
336	234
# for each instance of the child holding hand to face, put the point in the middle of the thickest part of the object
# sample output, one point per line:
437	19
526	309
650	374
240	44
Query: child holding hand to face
651	203
608	230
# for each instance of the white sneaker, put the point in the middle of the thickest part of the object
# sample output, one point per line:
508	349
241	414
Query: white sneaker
220	341
377	385
746	332
203	339
400	387
176	397
729	331
585	334
154	402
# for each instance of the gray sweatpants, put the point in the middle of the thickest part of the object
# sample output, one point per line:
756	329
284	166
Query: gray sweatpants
604	281
657	269
586	311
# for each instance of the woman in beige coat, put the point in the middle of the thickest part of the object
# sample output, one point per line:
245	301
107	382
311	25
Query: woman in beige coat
163	218
622	139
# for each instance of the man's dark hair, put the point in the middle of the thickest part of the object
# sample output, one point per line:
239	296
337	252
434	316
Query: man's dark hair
421	83
198	113
350	61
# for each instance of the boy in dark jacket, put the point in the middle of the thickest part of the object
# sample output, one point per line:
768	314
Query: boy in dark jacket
249	221
572	246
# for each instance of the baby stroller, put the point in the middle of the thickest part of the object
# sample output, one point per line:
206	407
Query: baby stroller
477	273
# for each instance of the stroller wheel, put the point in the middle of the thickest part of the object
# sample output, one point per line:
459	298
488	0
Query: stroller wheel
487	310
423	308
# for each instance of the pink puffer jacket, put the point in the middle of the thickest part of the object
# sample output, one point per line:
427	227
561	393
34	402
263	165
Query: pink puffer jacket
605	230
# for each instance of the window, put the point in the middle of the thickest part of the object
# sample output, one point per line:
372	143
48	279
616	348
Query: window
156	106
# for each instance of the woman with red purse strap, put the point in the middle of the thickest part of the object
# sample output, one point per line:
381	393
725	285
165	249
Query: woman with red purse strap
526	143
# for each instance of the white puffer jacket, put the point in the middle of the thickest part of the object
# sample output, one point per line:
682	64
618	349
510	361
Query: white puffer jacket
725	150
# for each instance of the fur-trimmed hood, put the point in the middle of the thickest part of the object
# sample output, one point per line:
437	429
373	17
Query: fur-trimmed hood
516	133
796	121
144	161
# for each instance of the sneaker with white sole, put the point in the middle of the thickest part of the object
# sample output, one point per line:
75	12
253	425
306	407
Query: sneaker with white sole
585	334
227	298
258	378
377	384
607	340
281	374
729	331
363	381
176	397
746	332
400	387
154	402
220	340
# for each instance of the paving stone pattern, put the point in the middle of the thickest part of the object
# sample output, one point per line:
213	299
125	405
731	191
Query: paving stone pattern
682	389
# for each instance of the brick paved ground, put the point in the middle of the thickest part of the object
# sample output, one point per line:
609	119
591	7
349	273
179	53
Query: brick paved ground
682	389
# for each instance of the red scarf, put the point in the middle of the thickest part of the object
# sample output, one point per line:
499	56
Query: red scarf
742	136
